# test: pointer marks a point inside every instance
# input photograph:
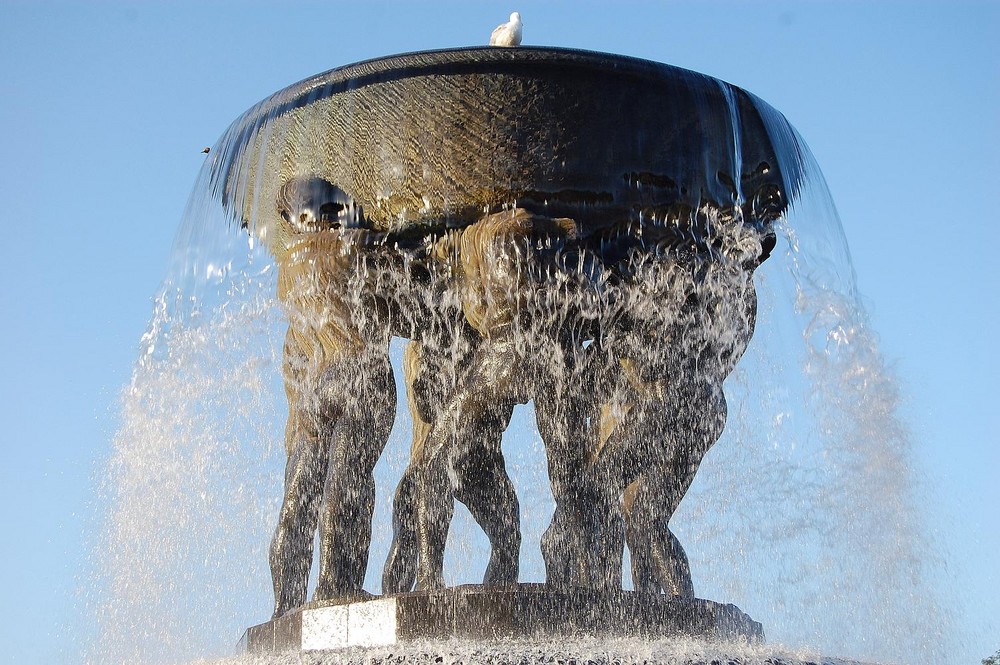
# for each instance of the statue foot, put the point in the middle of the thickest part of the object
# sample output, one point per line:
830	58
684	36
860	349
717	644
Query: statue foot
400	571
287	597
280	611
504	564
500	574
353	596
430	582
660	565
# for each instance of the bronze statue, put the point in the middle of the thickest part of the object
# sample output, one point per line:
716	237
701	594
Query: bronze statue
671	400
665	388
593	253
340	390
483	484
458	454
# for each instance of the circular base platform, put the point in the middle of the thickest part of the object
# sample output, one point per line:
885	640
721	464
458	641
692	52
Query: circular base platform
522	612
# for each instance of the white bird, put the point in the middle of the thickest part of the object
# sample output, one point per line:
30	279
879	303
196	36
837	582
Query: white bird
509	33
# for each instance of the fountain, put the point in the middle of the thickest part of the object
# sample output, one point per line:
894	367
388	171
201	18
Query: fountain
574	230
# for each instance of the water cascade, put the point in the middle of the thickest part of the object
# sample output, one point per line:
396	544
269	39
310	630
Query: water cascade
501	316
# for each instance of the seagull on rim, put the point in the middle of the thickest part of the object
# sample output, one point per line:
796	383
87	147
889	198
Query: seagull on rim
509	33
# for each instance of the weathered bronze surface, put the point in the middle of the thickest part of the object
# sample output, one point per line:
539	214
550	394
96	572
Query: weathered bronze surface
572	228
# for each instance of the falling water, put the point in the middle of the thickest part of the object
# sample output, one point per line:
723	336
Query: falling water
805	513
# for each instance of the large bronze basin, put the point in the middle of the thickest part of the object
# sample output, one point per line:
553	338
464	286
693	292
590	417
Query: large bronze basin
440	138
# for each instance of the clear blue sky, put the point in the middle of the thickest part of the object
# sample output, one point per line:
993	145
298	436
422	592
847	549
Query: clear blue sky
105	106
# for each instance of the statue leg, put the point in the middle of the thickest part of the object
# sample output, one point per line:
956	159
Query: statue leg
603	529
659	562
458	462
483	485
400	571
291	551
292	545
349	495
584	543
422	506
435	507
578	545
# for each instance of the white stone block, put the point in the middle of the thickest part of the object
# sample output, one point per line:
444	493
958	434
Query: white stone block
325	628
372	623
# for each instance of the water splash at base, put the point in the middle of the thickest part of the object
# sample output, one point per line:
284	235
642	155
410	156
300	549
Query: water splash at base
582	652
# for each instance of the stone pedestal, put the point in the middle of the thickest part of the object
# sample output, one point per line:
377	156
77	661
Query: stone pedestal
524	611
